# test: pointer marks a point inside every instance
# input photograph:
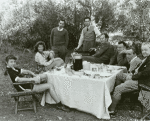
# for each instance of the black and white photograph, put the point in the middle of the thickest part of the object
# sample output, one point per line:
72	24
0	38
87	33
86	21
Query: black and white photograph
74	60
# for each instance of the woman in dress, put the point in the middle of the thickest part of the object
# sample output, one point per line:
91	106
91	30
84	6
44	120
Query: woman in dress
46	58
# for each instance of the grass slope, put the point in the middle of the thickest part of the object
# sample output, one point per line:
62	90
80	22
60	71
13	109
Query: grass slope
48	112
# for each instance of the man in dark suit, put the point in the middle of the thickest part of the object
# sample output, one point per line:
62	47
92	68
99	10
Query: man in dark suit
103	52
119	57
142	74
133	61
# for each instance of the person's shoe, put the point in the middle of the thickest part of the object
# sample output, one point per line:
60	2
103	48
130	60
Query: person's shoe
64	108
112	114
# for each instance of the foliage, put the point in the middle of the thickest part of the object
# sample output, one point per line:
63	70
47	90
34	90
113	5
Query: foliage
137	14
26	22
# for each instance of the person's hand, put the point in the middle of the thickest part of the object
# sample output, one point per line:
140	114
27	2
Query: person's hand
26	90
91	49
37	80
76	48
52	54
129	77
56	59
33	74
136	71
123	51
52	59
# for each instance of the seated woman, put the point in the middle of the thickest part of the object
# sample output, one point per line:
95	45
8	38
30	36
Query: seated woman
46	58
16	75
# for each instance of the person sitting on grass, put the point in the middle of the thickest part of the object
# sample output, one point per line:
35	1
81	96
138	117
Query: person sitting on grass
141	76
46	58
16	75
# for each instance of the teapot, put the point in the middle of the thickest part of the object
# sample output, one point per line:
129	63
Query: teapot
77	61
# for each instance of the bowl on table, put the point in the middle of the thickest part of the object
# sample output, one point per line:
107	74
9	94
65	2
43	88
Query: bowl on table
105	74
79	73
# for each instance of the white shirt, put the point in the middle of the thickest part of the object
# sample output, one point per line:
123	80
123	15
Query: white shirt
133	59
41	59
60	29
136	71
97	33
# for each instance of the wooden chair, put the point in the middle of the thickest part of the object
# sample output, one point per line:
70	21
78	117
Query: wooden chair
133	99
143	87
17	95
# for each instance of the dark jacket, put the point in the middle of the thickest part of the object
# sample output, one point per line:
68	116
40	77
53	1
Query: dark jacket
143	75
119	59
17	73
104	53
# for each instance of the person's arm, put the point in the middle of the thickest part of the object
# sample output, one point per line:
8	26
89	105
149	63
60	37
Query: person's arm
66	38
121	60
80	40
143	74
101	51
51	37
41	60
134	64
23	79
35	79
23	71
51	54
112	60
97	32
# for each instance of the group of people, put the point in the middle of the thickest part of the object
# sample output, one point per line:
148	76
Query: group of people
91	39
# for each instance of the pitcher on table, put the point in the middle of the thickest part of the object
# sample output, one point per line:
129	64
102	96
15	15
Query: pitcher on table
77	61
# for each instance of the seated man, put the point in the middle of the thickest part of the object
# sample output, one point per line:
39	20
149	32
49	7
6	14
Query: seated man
119	57
103	52
141	75
16	75
133	61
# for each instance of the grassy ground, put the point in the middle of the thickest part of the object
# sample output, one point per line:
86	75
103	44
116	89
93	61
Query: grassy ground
48	112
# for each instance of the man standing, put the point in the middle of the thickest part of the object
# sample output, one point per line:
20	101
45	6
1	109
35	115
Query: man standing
59	40
88	35
103	52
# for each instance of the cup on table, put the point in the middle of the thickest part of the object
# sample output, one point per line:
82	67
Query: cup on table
70	61
96	76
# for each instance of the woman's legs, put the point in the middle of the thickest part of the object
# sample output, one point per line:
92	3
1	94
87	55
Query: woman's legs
46	86
49	87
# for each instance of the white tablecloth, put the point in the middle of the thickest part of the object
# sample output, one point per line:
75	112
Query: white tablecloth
85	94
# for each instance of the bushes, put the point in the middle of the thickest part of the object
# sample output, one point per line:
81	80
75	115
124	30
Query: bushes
36	25
34	20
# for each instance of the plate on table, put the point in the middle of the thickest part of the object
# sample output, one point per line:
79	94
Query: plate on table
87	72
79	73
105	74
116	67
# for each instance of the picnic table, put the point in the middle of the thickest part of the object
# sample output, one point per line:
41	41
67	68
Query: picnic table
84	93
